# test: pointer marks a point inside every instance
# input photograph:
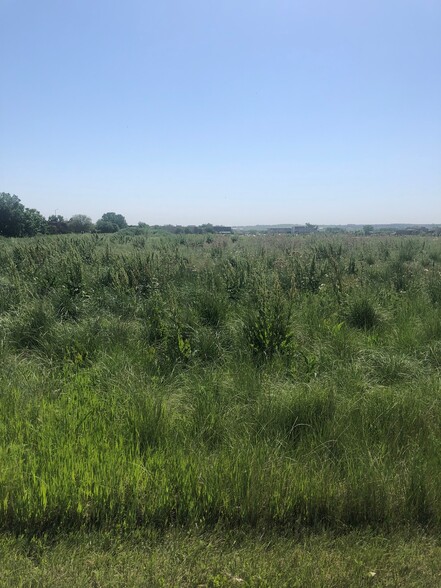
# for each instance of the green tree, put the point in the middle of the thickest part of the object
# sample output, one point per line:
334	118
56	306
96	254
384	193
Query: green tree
11	215
368	229
34	222
80	223
18	221
105	226
57	225
116	219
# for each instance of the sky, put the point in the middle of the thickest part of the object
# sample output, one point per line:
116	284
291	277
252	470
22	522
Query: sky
235	112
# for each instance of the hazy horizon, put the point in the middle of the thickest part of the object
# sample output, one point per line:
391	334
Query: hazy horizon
235	114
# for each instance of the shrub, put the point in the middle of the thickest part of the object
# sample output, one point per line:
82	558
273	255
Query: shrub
212	308
267	324
32	326
362	314
434	287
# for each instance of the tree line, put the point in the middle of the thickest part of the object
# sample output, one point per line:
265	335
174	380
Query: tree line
18	221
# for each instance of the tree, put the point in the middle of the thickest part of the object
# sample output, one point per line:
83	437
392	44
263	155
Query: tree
80	223
12	213
368	229
56	225
34	222
18	221
116	219
105	226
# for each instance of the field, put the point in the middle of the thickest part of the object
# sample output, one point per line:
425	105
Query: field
272	398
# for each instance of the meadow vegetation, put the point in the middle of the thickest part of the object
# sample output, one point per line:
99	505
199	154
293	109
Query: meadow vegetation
276	383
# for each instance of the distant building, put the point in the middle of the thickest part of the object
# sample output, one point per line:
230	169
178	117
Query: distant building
304	229
295	230
222	230
413	231
280	230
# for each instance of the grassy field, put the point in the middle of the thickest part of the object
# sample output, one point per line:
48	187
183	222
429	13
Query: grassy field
211	384
220	560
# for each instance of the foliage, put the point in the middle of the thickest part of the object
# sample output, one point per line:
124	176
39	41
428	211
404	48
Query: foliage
12	214
267	324
111	222
80	223
34	222
222	558
18	221
106	226
57	225
166	381
362	314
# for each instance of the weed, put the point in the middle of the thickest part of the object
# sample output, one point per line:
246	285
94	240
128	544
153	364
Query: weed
164	382
362	314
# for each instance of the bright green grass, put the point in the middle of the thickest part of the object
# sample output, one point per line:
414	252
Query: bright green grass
274	384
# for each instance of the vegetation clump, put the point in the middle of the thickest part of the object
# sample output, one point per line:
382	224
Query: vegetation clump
362	314
175	381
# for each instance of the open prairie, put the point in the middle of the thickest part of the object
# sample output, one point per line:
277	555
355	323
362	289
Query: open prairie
201	386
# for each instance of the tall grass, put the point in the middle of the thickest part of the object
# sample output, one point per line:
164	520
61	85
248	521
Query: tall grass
274	381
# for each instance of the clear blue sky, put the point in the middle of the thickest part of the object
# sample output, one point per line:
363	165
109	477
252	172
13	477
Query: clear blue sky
226	111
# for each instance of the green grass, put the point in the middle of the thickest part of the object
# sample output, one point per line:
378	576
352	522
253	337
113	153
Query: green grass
276	384
221	559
